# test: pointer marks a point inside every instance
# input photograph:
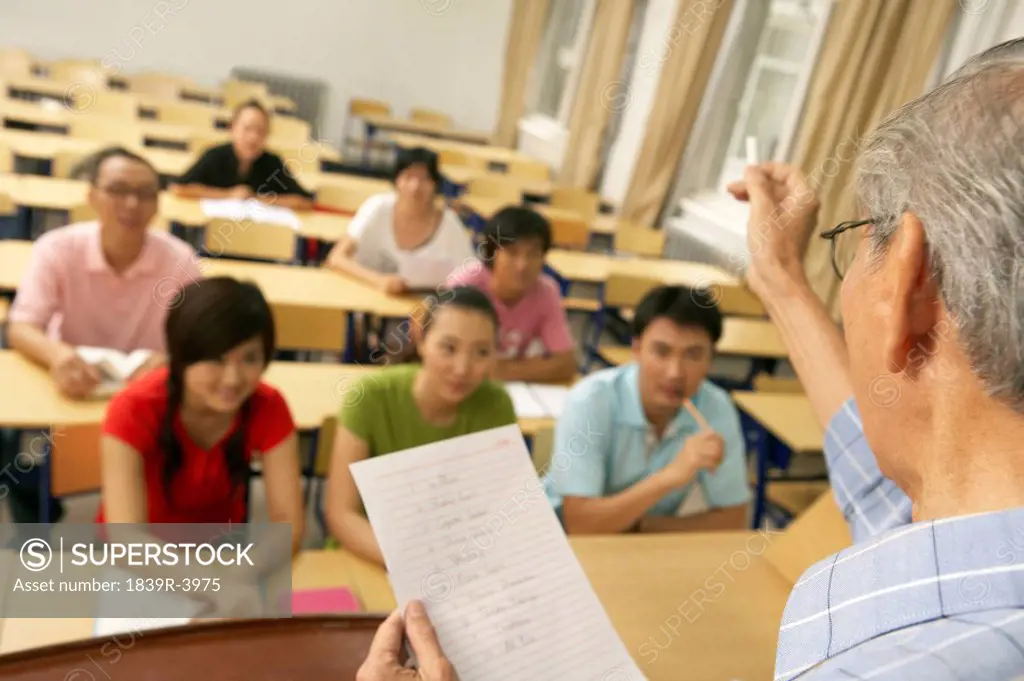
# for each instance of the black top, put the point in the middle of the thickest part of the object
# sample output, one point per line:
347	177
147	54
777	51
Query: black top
218	167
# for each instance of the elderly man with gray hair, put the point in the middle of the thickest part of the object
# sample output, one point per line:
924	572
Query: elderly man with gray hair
925	457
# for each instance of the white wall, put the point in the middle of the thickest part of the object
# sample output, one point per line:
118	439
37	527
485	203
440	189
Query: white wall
443	54
637	98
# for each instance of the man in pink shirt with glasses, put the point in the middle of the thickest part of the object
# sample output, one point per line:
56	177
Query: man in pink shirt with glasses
107	283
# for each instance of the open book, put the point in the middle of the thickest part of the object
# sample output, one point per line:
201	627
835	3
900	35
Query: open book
250	209
115	367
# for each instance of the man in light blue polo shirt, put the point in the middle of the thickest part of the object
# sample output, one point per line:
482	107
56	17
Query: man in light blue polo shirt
653	445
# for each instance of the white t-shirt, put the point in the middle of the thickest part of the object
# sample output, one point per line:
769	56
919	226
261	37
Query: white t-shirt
373	229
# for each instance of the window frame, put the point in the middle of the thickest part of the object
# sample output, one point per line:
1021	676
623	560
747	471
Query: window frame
575	56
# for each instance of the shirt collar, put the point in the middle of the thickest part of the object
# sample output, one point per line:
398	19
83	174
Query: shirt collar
903	577
96	263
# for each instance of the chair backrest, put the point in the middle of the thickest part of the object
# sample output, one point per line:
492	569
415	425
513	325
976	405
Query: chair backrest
75	459
6	160
639	240
816	534
324	446
78	71
201	140
341	198
108	130
155	85
198	116
66	162
431	117
569	232
765	383
7	206
368	107
526	169
289	128
250	240
584	202
81	213
495	186
625	291
15	62
108	103
235	92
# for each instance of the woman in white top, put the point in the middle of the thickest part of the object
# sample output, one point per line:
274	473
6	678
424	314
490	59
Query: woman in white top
402	241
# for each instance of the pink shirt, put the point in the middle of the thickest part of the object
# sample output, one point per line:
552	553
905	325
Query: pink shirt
70	290
535	326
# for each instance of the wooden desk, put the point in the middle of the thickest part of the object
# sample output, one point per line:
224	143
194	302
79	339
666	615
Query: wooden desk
400	125
595	268
741	337
44	146
788	417
461	176
490	154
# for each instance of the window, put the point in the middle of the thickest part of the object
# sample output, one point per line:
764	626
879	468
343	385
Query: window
757	89
560	57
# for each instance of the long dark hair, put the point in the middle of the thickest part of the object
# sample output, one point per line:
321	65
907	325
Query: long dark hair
460	297
212	317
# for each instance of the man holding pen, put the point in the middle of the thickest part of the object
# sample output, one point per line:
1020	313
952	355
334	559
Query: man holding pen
653	445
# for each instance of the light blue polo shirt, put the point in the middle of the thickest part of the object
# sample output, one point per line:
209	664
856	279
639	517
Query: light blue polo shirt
604	443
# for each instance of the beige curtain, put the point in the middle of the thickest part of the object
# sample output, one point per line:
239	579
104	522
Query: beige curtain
599	92
526	29
876	56
693	43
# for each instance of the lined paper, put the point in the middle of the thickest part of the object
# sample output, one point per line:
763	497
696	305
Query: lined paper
464	526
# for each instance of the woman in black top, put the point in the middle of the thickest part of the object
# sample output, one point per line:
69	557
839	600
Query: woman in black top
244	168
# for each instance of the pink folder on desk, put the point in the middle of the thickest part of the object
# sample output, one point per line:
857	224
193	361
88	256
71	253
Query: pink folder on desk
324	601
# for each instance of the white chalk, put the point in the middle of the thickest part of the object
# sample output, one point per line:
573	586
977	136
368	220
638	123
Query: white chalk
752	159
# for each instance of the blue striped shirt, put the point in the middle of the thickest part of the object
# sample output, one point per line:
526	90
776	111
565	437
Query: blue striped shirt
926	601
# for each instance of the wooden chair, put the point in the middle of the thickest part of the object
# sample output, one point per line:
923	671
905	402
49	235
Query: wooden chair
639	240
289	128
108	130
245	239
340	198
767	383
569	232
621	292
75	460
581	201
14	62
431	117
78	71
526	169
65	163
321	466
6	160
496	187
7	205
155	85
198	116
235	92
200	141
111	104
362	108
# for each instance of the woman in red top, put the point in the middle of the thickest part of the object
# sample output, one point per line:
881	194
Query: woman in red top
177	443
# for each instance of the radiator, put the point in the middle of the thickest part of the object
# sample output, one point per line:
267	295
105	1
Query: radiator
309	95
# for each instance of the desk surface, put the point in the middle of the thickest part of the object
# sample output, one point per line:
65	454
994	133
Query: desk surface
788	417
485	207
487	152
402	125
595	268
704	607
313	391
461	175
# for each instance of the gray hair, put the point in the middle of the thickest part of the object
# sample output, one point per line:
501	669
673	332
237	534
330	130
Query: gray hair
955	159
1009	52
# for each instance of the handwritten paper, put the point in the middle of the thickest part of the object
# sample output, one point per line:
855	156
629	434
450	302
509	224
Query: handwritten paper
250	209
465	527
537	401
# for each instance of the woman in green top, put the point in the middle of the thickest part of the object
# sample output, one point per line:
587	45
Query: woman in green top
409	405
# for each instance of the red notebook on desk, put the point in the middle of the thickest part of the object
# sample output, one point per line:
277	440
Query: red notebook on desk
324	601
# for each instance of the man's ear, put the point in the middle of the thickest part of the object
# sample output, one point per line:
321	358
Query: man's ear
915	320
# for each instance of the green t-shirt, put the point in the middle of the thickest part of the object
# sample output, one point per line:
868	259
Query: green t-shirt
383	413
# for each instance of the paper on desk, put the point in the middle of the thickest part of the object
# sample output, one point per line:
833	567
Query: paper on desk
537	401
179	610
465	526
249	209
695	503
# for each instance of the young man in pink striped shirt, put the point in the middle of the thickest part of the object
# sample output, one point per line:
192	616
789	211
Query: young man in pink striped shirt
107	283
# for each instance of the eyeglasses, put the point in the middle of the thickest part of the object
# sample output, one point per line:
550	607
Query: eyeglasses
121	192
836	252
